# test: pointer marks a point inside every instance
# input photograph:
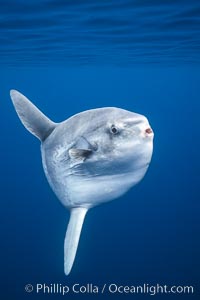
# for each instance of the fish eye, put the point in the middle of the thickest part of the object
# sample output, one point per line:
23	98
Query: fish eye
114	129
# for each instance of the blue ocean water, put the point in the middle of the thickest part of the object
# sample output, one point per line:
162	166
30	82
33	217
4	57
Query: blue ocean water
69	56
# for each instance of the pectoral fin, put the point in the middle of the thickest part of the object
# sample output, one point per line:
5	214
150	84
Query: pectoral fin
81	150
79	154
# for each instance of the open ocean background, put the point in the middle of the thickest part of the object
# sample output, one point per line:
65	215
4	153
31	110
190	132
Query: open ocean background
69	56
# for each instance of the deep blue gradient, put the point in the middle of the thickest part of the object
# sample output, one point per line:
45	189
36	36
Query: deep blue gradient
69	56
78	32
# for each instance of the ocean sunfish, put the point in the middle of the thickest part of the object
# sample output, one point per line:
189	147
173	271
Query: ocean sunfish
93	157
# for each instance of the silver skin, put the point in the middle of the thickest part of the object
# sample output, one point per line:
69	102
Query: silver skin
91	158
117	161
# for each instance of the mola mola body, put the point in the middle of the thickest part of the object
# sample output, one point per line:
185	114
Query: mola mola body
91	158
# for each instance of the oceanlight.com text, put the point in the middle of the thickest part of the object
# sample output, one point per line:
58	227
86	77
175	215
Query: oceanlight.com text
108	288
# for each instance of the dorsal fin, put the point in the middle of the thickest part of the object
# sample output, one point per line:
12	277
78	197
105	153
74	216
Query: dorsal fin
31	117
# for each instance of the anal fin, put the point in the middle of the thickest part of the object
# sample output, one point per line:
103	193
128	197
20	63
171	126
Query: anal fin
72	237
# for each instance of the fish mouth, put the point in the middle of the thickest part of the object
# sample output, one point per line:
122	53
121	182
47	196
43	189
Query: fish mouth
149	132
